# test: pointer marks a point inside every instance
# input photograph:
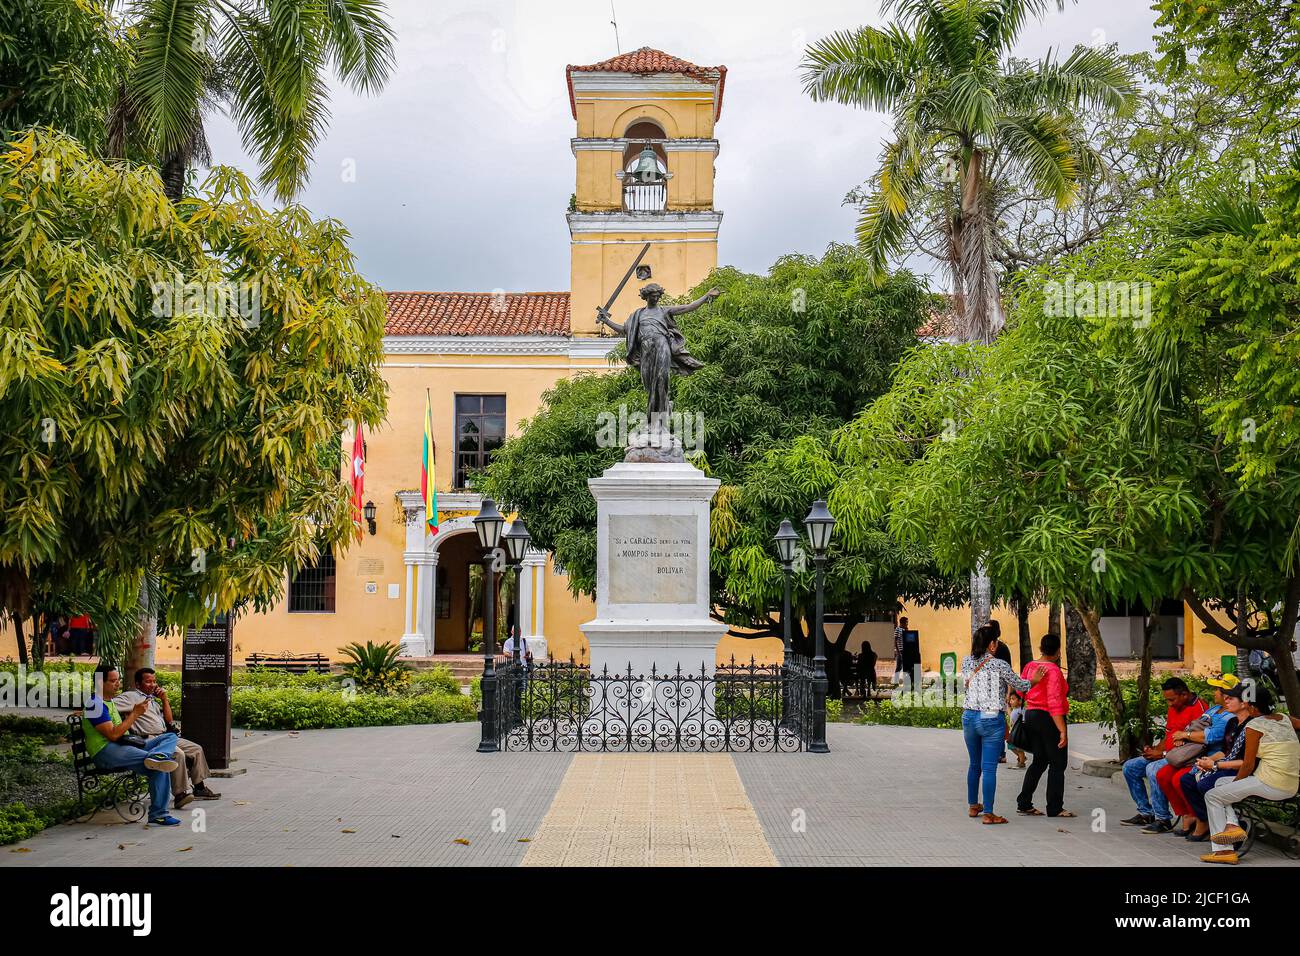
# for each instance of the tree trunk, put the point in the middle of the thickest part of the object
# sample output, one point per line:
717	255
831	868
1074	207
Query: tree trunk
1286	670
140	652
1092	622
1141	736
1080	656
981	599
20	640
1243	653
1022	628
835	652
1054	618
173	175
38	642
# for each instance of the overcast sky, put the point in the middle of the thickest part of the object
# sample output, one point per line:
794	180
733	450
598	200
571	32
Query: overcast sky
462	164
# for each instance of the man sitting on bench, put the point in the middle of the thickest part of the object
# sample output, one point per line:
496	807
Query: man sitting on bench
111	746
192	765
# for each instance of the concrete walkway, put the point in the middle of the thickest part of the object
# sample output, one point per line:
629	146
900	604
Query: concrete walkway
422	795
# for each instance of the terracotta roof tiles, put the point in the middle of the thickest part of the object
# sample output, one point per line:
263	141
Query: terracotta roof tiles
647	61
477	313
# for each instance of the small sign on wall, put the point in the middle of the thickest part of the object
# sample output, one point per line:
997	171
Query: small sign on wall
394	591
372	587
367	566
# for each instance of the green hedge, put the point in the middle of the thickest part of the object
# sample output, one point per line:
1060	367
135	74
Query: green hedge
296	709
38	787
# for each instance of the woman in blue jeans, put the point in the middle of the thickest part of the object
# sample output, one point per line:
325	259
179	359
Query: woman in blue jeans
987	679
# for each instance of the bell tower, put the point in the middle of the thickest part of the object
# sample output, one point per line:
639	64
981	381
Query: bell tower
644	153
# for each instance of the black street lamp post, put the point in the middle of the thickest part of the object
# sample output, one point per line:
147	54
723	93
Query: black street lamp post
488	525
819	523
517	540
786	539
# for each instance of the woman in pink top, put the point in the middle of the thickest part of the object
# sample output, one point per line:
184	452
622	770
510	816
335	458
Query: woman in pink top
1046	705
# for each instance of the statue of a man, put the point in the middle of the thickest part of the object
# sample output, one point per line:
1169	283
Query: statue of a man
655	345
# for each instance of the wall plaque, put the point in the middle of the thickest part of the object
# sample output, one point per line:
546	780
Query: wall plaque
205	689
652	559
367	567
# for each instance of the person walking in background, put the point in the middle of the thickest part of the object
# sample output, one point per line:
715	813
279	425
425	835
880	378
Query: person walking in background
983	721
1046	706
1003	653
900	633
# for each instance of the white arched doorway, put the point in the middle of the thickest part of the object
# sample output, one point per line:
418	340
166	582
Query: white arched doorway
421	559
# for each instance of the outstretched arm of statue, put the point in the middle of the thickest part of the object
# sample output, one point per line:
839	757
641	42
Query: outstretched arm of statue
692	306
602	316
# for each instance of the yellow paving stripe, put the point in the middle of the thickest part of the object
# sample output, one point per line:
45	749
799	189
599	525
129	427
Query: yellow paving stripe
650	810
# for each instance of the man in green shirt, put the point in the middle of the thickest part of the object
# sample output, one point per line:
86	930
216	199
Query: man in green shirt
105	731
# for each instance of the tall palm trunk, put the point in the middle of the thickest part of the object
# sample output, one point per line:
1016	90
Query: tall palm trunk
174	168
981	598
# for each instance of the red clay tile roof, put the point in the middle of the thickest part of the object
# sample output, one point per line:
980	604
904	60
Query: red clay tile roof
940	325
647	60
477	313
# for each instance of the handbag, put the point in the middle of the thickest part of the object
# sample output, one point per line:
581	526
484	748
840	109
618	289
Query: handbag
133	740
1184	754
1019	737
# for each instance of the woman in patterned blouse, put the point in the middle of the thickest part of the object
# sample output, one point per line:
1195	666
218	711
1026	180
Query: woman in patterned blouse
987	679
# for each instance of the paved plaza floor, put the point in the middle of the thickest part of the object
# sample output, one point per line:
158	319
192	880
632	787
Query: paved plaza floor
422	795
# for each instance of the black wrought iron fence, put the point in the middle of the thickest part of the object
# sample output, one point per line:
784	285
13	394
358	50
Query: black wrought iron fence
736	708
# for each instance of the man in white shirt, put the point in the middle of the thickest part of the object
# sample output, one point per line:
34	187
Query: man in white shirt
525	655
155	720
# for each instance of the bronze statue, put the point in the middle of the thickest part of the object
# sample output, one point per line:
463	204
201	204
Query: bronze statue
655	345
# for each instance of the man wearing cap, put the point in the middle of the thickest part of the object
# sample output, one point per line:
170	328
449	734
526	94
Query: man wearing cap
1215	721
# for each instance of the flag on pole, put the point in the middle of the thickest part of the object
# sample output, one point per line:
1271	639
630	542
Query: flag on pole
358	474
428	481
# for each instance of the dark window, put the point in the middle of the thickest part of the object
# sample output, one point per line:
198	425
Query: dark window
443	595
312	588
480	430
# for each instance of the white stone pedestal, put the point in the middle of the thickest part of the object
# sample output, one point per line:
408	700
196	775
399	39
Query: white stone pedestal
652	570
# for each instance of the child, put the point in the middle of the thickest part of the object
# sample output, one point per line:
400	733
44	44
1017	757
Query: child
1017	705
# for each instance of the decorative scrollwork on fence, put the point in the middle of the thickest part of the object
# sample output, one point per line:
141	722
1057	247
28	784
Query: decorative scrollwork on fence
737	708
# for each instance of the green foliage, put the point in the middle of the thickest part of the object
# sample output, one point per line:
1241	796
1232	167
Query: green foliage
969	119
39	728
436	679
295	709
375	668
180	439
61	65
268	65
18	823
834	709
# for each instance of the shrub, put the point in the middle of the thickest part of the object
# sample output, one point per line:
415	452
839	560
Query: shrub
834	709
296	709
47	731
437	679
375	668
18	823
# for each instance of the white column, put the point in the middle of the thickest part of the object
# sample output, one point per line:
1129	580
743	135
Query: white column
416	642
533	593
428	603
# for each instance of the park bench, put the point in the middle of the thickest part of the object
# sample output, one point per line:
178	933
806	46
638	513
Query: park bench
99	789
1257	813
301	664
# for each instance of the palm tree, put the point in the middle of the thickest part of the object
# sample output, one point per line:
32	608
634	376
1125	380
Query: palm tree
967	119
267	61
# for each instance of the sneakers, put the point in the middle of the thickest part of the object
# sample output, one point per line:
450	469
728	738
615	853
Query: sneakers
165	764
203	793
181	800
1233	834
1141	820
167	821
1158	826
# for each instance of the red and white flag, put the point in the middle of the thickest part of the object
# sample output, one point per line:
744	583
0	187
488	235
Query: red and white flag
358	475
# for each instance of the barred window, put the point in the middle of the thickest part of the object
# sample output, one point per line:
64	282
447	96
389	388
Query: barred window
311	590
480	430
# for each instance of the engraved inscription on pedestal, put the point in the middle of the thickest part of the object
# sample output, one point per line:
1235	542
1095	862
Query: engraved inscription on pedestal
652	559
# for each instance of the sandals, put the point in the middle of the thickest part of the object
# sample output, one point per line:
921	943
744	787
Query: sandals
993	818
1031	812
1066	813
975	810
